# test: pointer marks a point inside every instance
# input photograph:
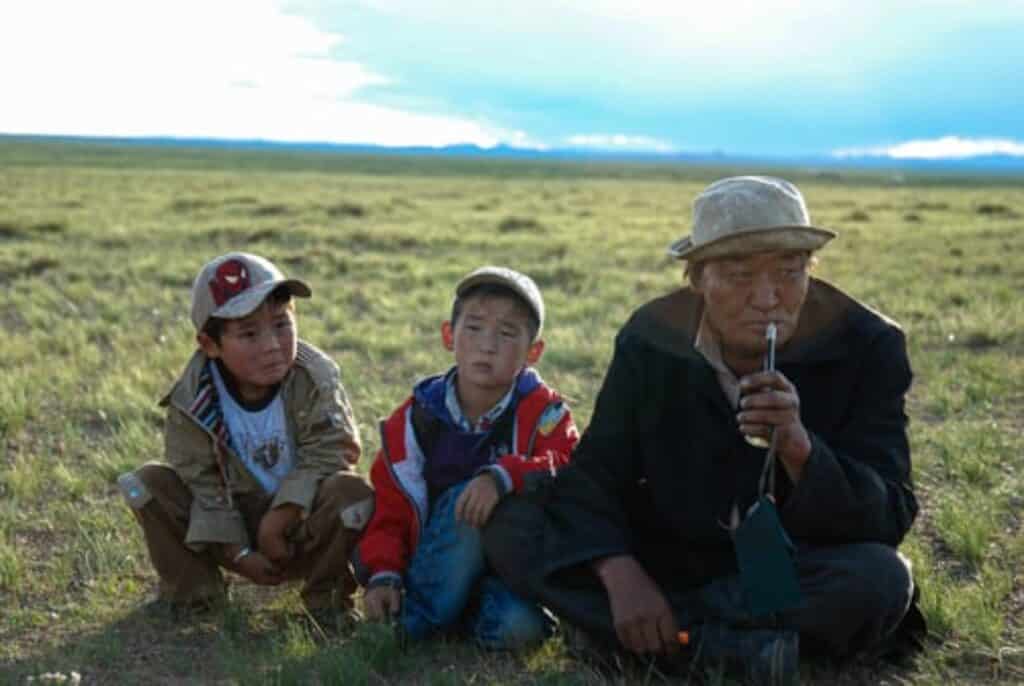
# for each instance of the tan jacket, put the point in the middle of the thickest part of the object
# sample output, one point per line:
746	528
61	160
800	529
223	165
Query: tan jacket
319	421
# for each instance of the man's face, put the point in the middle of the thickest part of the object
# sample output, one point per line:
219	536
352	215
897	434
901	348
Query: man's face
258	350
743	294
491	342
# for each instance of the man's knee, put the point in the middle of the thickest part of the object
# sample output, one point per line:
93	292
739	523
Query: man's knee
880	578
513	538
855	595
870	573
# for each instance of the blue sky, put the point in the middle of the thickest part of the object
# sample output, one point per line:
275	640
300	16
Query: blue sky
911	78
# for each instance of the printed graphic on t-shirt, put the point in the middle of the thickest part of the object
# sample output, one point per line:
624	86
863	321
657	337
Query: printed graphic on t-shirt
259	437
268	454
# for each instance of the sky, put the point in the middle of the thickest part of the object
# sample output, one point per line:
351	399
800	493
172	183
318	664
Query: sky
907	79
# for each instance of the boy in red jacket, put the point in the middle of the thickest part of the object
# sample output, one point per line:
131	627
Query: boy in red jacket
449	453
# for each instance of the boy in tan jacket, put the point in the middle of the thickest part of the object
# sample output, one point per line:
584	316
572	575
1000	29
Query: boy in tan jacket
261	447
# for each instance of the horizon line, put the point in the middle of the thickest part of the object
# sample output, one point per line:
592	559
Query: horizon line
1005	156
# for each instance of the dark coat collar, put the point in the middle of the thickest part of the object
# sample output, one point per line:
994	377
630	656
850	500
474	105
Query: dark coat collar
670	323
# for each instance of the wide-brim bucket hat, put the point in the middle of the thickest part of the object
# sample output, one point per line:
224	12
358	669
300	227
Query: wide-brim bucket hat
742	215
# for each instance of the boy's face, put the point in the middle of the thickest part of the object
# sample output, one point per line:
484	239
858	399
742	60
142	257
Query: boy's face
491	342
258	350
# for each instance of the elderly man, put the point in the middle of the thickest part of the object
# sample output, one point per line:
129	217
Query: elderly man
638	543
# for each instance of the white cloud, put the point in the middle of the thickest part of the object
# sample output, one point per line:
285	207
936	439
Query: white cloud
619	141
226	69
250	69
727	40
947	147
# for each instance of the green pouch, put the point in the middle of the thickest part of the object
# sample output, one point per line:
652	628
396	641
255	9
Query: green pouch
764	555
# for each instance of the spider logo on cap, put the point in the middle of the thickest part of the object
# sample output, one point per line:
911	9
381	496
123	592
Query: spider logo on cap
230	279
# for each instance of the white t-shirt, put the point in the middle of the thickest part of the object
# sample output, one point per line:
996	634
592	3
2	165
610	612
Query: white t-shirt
260	438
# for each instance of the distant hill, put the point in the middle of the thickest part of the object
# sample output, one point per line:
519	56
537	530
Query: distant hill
989	164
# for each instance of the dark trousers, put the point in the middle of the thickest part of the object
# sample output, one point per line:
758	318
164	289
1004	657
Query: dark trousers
854	595
323	543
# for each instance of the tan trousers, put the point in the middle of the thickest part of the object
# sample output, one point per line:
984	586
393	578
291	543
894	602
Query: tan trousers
323	544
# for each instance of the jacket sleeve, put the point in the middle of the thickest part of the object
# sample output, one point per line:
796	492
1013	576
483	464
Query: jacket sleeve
385	547
857	486
556	436
326	440
607	449
212	517
585	499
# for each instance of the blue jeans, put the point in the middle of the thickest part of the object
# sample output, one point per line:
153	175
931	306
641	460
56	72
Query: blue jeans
448	586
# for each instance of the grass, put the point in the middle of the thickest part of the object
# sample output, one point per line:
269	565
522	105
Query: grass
98	246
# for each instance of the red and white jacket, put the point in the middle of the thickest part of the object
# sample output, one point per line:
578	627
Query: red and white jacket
543	435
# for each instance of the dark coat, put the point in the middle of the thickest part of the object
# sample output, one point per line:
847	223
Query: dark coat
662	462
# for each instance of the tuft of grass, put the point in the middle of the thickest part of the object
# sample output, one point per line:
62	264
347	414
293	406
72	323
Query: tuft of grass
10	230
968	526
857	216
273	210
510	224
346	209
995	210
187	205
10	565
49	227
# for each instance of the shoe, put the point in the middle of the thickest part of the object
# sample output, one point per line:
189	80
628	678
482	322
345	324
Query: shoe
761	657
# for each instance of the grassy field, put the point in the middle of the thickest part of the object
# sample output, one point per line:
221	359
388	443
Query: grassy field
98	246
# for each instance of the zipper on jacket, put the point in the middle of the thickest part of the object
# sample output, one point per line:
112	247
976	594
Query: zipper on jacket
218	450
398	483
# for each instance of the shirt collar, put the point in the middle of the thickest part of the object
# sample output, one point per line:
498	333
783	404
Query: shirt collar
708	345
486	420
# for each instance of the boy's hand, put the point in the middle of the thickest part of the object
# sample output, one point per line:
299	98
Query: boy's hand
477	501
258	569
382	603
271	539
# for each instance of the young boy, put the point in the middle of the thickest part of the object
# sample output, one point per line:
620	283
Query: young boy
261	446
449	453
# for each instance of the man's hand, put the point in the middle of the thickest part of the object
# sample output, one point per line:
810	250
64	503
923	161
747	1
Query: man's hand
768	401
274	526
643	620
258	569
477	501
382	603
